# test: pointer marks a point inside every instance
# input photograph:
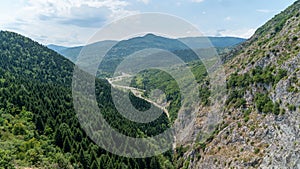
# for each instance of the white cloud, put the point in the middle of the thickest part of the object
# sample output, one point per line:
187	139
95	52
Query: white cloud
242	33
64	22
197	1
228	18
264	10
85	8
144	1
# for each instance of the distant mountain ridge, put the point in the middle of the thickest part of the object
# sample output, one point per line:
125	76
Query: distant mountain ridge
217	42
57	48
126	47
194	42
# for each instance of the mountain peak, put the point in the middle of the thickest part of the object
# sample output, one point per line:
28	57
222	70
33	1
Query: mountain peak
150	35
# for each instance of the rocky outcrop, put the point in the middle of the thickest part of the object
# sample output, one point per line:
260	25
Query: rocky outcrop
246	137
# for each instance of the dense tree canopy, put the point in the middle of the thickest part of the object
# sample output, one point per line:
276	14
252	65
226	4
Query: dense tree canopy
36	103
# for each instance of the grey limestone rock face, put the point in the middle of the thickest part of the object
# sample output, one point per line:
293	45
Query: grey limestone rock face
264	140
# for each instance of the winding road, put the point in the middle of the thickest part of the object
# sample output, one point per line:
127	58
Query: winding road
137	92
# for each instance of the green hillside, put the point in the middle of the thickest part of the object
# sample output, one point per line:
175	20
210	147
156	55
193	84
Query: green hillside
37	112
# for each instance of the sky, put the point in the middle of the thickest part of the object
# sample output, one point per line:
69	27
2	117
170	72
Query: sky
73	22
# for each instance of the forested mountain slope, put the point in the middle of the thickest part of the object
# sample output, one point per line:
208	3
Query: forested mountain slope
24	58
39	126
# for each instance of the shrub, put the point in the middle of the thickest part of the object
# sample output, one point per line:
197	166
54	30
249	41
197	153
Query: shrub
295	38
246	119
263	103
292	107
19	129
276	109
6	160
240	102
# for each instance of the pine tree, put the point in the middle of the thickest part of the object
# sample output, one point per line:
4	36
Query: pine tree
58	138
82	159
67	145
39	124
95	165
93	157
154	164
103	161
